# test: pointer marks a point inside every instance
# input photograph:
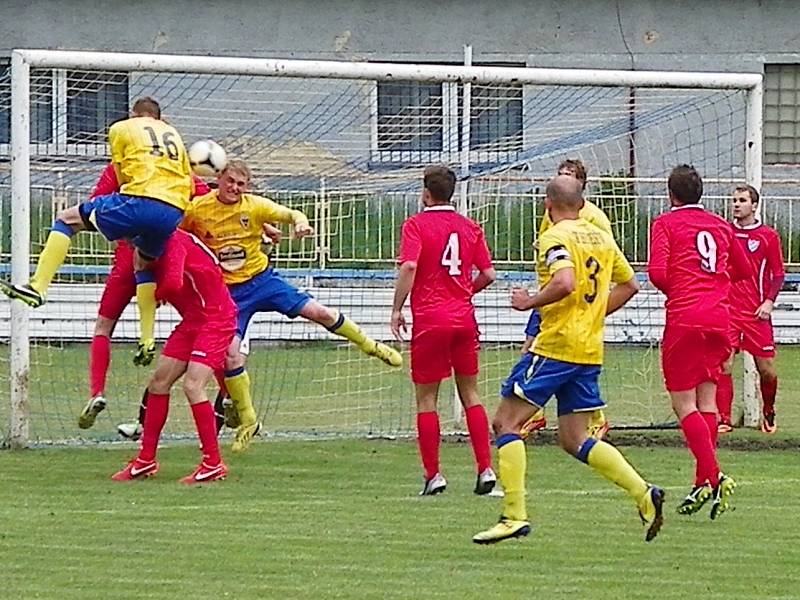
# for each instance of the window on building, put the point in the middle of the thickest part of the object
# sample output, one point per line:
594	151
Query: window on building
67	107
421	122
782	114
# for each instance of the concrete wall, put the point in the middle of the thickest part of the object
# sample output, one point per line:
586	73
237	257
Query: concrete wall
729	35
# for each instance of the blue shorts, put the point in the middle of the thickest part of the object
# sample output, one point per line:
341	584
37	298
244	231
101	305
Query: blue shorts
537	378
146	222
266	292
534	324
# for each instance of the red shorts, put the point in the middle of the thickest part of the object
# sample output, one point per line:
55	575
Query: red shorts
691	356
752	335
205	343
437	352
121	284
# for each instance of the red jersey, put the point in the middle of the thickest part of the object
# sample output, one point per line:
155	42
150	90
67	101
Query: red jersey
446	246
693	259
189	278
762	246
108	184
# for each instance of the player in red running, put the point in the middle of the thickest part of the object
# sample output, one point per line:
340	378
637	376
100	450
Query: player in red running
119	290
693	258
752	301
438	250
188	277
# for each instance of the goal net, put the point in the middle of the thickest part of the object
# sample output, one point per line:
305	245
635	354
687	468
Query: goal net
346	144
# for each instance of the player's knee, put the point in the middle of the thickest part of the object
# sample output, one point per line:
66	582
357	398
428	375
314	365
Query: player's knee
234	360
104	326
767	373
194	388
70	216
159	384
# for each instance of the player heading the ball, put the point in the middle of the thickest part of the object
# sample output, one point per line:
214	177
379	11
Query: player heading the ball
153	170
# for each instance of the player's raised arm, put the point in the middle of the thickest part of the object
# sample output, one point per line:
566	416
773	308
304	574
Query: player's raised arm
199	187
272	212
172	266
107	183
659	256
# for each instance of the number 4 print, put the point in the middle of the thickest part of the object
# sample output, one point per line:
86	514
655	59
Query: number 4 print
451	257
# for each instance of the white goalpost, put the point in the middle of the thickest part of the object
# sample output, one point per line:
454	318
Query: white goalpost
346	142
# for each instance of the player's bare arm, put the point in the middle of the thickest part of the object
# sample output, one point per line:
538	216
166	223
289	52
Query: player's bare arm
273	233
402	288
483	279
620	294
559	287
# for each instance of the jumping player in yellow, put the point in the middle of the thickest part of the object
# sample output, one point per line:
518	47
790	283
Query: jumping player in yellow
576	265
153	171
230	221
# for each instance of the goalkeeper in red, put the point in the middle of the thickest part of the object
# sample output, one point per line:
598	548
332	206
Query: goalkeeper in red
693	259
189	278
752	301
438	250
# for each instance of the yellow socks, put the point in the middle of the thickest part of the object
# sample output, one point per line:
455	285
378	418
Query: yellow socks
607	460
146	301
238	383
511	470
52	257
349	330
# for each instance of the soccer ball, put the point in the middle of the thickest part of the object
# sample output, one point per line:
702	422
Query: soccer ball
207	158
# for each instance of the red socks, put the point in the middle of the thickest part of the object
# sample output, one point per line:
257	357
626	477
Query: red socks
428	438
711	422
154	418
768	391
725	398
205	421
99	359
698	438
478	426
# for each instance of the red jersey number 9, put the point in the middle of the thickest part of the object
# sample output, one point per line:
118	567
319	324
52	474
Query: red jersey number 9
451	257
707	248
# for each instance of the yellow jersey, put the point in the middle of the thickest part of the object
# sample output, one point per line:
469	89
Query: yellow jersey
150	160
590	212
572	328
233	231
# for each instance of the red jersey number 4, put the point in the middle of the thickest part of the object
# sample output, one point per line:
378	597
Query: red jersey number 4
451	257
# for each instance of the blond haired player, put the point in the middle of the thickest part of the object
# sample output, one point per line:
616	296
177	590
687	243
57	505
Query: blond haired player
230	220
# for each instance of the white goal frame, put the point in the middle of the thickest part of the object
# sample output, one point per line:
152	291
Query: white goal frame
23	60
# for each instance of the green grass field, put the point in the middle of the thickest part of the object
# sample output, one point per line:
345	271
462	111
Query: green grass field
323	388
341	519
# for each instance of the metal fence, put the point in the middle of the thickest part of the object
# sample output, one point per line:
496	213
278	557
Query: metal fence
362	230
